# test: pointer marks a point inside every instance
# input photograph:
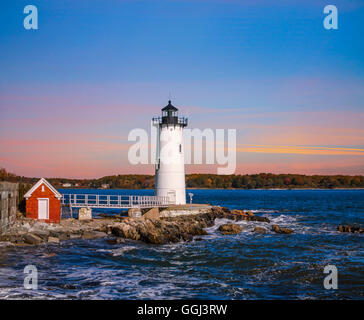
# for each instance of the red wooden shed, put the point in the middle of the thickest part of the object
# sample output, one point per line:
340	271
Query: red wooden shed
43	202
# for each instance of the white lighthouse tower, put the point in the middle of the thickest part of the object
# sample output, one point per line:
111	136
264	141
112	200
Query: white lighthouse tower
170	166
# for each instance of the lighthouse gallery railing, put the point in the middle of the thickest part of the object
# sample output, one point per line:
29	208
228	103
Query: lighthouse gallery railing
170	120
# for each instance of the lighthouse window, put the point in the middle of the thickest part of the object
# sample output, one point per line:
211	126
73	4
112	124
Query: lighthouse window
180	148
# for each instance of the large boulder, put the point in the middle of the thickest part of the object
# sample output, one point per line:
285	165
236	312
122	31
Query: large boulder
277	229
125	230
350	228
260	230
242	213
152	214
43	234
230	229
30	238
62	235
53	240
239	212
239	215
257	218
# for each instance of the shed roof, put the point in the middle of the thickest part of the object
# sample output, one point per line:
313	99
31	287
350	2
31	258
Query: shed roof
38	184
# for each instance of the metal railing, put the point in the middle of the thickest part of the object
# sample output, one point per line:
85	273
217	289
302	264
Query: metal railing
171	121
113	201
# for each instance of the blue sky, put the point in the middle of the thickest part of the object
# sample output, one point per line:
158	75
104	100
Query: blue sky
267	68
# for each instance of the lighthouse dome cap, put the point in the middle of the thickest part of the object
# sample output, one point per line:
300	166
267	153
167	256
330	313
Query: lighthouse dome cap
169	106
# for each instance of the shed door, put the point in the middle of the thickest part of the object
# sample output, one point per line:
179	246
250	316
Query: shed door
43	209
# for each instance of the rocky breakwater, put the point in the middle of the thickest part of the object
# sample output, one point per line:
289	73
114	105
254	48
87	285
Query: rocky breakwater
164	229
31	232
155	227
161	228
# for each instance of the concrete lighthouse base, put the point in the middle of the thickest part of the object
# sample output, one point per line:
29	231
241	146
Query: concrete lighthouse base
174	210
186	209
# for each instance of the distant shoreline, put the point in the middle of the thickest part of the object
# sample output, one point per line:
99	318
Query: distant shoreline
261	181
272	189
278	189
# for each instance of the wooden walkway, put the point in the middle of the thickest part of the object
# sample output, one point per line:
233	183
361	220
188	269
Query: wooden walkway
113	201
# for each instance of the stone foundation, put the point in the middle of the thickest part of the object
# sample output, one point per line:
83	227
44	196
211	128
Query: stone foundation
85	214
134	212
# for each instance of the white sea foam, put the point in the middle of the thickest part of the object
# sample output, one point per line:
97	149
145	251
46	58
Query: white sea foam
261	210
118	251
283	220
121	251
108	283
6	244
299	225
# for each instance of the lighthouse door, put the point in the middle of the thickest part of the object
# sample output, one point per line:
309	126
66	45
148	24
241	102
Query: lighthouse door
172	196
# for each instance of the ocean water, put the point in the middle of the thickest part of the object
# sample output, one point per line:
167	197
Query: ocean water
243	266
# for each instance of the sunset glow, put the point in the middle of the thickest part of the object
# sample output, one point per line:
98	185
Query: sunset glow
294	94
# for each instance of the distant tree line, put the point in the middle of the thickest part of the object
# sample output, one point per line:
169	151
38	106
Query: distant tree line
247	181
269	180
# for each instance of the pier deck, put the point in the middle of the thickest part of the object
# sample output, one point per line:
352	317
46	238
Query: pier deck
113	201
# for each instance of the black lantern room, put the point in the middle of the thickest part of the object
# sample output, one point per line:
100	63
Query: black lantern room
170	116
